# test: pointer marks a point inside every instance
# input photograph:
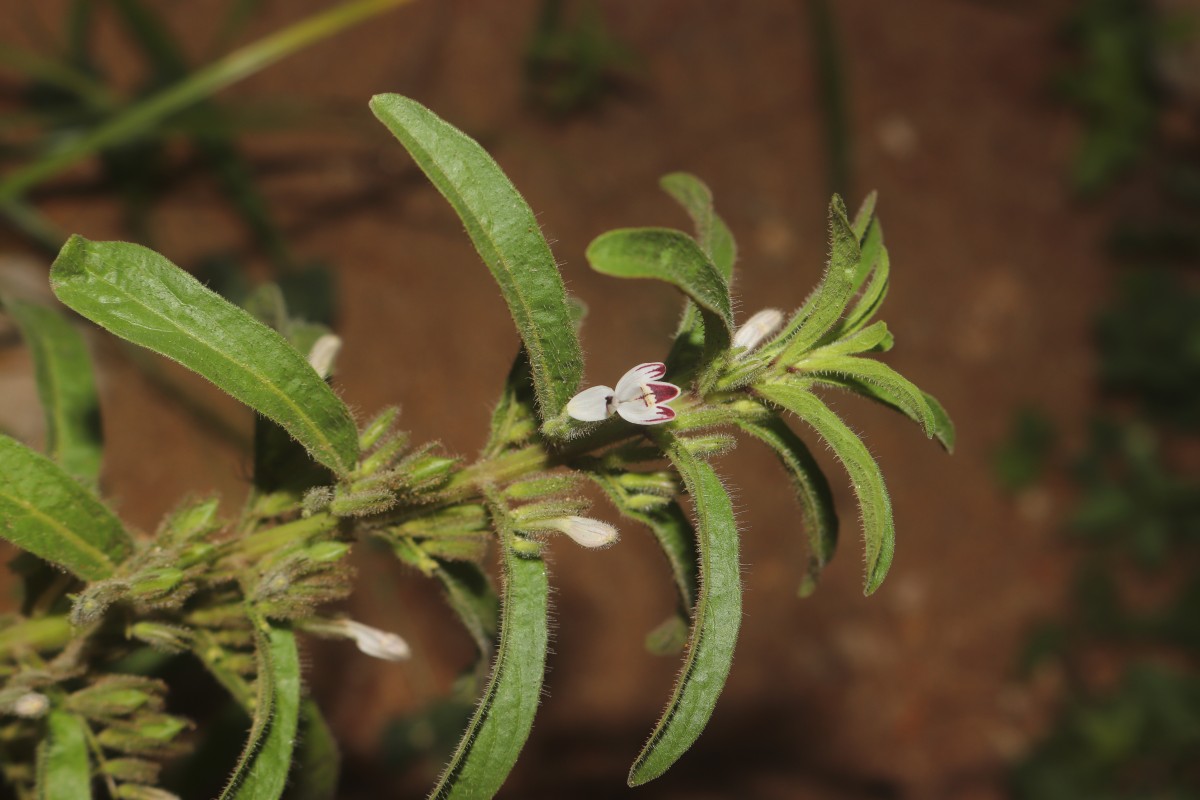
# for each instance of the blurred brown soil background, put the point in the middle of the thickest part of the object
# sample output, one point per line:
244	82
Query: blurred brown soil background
996	271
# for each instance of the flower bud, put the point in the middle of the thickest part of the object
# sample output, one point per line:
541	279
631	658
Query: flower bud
31	705
372	641
154	584
131	769
541	486
362	504
585	531
193	521
132	791
645	502
116	696
757	328
325	552
161	636
324	353
377	428
662	483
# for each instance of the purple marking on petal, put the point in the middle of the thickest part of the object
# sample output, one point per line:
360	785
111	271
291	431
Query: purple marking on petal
663	392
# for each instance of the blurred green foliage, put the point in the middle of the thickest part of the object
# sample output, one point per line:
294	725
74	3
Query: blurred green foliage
1128	647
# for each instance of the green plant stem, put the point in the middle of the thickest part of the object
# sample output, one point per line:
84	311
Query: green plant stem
201	84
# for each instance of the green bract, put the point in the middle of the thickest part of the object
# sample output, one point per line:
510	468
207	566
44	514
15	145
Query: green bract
230	592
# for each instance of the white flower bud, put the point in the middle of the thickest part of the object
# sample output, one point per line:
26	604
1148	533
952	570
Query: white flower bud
323	353
372	641
31	705
585	531
758	328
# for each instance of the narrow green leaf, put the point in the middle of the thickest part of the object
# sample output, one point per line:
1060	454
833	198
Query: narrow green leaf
879	530
831	297
873	338
865	215
871	299
66	388
51	515
470	594
931	412
712	234
141	296
671	530
63	767
318	761
716	617
812	490
506	235
262	769
673	257
515	418
501	723
899	391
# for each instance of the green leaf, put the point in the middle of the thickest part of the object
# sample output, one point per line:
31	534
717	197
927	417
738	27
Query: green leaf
262	769
141	296
714	238
318	761
716	618
879	530
506	234
881	383
812	490
674	257
819	314
900	391
470	594
871	299
712	234
498	729
48	513
63	769
66	388
671	530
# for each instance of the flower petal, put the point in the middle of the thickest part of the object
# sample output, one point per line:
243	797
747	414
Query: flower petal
591	405
586	531
629	386
663	392
640	414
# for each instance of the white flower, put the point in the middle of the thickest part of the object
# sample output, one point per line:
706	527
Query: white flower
323	353
585	531
757	328
372	641
640	398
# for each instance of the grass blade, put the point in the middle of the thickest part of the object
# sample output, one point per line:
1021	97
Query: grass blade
879	530
66	389
48	513
506	235
141	296
716	618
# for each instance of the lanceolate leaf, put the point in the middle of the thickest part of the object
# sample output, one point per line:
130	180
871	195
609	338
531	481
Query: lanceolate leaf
888	383
48	513
66	388
671	530
674	257
141	296
831	297
717	242
501	723
869	302
878	528
716	618
712	234
506	234
262	770
473	599
919	406
812	490
63	769
317	758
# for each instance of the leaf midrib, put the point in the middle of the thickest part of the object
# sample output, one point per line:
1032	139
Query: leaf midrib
69	534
